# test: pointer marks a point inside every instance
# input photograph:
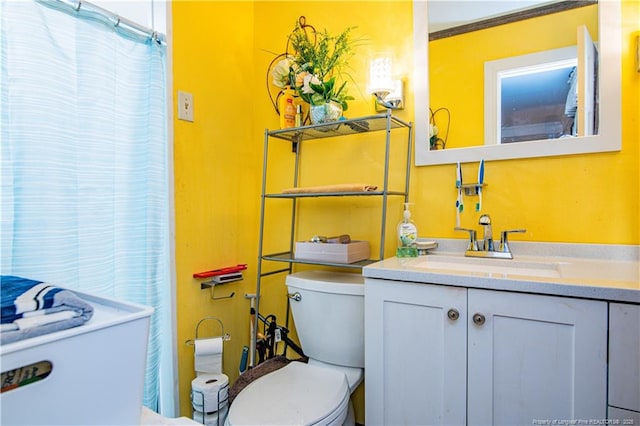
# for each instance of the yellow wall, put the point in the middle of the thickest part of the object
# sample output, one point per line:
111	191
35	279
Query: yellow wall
216	164
221	51
220	54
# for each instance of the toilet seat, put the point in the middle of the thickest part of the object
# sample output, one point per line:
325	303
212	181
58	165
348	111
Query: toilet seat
297	394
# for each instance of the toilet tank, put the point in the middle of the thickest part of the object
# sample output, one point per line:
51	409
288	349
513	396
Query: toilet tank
329	317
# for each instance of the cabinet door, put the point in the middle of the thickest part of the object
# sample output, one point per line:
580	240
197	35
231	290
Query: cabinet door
415	355
624	356
618	416
535	358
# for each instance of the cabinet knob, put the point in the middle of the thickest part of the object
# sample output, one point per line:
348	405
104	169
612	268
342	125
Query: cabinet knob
478	319
453	314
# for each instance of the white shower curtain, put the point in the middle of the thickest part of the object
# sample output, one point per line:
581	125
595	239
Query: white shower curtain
85	173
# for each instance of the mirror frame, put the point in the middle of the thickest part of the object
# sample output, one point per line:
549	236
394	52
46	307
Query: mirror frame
609	137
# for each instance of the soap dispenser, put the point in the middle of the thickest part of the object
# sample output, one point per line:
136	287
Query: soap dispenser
407	235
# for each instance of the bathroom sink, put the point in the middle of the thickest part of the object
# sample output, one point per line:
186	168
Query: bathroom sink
563	268
491	267
609	270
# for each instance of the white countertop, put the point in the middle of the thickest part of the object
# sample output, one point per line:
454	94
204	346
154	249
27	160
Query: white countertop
603	272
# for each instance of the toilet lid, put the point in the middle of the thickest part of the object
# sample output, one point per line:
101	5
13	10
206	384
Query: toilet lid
297	394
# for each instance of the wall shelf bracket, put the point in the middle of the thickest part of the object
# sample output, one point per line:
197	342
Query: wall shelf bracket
221	276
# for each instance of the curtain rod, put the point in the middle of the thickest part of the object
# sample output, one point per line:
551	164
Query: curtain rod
85	9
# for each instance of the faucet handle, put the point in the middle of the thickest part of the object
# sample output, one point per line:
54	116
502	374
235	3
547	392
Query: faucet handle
504	243
473	241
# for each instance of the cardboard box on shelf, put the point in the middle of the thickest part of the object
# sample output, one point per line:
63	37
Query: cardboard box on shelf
354	251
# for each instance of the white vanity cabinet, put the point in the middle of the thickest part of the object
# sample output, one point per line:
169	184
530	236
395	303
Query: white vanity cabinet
438	354
624	363
415	356
534	358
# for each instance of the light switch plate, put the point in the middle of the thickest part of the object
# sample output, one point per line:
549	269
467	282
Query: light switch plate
185	106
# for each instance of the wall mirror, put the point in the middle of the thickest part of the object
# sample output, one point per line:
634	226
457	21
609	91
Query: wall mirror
468	139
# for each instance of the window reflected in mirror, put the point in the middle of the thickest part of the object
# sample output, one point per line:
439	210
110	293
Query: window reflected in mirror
538	105
537	97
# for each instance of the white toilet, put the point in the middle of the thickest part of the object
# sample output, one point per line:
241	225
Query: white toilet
329	319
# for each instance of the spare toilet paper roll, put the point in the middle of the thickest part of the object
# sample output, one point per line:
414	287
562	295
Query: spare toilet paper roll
208	355
209	392
211	419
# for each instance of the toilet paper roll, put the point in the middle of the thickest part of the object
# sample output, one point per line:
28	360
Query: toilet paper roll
211	419
209	392
208	355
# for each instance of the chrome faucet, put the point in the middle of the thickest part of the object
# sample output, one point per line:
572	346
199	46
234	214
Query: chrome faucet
486	247
487	231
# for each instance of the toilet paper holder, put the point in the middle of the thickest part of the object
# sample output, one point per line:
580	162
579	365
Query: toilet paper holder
225	336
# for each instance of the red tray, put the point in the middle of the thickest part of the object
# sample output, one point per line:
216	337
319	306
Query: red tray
222	271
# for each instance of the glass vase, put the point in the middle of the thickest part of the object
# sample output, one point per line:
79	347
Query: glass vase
325	113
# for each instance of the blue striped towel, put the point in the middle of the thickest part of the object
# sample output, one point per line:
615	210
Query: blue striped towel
31	308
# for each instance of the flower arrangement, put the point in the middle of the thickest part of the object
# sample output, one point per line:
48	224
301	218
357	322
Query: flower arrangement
436	141
314	65
433	136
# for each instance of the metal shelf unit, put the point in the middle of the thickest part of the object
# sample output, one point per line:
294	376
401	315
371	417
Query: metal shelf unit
378	123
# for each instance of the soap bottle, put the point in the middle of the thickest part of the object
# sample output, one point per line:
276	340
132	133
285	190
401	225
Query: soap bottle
287	109
407	235
298	115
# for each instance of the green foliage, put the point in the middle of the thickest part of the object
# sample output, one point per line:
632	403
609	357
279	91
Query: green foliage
316	63
323	55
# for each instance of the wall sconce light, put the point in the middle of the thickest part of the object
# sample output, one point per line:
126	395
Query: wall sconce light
389	93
